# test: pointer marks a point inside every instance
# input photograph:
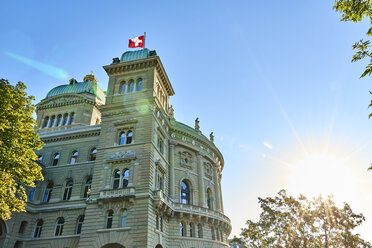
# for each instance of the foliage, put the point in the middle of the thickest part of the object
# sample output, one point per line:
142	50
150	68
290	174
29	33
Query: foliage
286	221
18	141
356	11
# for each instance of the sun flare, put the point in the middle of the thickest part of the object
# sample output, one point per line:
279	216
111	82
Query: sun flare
321	174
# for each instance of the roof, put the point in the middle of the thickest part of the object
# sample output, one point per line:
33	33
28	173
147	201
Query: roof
139	54
75	87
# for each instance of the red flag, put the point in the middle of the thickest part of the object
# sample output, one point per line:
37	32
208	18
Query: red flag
137	42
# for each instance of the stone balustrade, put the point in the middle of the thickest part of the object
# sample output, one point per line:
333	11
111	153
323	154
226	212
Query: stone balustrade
114	193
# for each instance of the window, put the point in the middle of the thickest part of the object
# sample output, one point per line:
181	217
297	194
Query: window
131	86
122	138
110	215
59	226
40	158
124	215
55	159
93	154
218	234
160	181
122	88
212	231
161	145
139	85
68	190
52	121
116	179
48	192
79	224
22	227
74	157
161	223
221	235
185	192
129	137
125	178
38	227
31	194
200	231
65	119
191	226
45	123
209	199
182	229
88	186
157	221
59	120
72	116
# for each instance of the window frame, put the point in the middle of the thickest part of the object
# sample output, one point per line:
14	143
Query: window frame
59	226
38	228
67	190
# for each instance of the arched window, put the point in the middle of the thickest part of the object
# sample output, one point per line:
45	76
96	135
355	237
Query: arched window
65	119
209	199
182	229
79	224
88	186
59	120
212	231
93	154
59	226
131	86
116	179
129	137
31	194
72	116
52	121
22	227
124	215
123	87
38	228
48	192
55	159
200	231
125	178
40	159
68	190
110	215
45	123
139	85
74	157
18	244
191	228
122	138
218	234
185	192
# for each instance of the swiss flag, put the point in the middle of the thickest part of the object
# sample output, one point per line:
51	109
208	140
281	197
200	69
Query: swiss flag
137	42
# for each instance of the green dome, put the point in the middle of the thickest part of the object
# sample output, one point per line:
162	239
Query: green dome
76	88
139	54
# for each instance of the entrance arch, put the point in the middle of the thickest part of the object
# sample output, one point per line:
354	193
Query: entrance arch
113	245
159	246
3	232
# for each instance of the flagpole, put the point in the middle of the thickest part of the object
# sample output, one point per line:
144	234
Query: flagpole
144	41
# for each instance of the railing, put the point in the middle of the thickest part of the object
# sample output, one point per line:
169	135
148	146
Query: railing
179	207
113	193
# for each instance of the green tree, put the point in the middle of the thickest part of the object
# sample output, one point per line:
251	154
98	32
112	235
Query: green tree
18	141
286	221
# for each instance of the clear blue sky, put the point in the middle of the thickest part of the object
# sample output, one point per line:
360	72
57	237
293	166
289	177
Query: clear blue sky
252	71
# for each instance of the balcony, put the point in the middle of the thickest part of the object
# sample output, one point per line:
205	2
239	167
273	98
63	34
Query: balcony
117	193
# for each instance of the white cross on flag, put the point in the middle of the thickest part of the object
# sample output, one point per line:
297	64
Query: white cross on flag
137	42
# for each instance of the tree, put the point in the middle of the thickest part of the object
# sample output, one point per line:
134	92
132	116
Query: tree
286	221
18	141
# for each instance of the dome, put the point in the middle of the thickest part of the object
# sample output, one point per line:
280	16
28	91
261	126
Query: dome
139	54
74	87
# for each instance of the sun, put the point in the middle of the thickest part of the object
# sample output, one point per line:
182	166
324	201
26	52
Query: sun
322	174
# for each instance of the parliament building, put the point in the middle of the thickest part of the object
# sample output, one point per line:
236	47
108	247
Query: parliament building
119	170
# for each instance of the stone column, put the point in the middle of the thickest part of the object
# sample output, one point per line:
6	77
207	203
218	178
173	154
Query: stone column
172	143
131	174
216	187
219	184
202	202
107	177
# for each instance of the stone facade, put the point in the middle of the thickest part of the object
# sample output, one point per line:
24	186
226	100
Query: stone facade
119	170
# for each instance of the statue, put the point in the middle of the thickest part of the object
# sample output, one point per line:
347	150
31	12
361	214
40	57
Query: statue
91	72
197	127
211	137
171	112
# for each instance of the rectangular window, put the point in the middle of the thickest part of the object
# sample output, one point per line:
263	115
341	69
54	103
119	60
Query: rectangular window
161	145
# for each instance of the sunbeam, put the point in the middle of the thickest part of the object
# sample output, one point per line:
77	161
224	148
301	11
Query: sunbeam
44	68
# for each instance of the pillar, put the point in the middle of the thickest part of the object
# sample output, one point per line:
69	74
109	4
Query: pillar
171	169
216	188
201	190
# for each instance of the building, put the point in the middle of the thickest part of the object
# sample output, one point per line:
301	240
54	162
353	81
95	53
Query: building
119	170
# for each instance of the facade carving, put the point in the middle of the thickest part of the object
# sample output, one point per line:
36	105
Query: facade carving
119	170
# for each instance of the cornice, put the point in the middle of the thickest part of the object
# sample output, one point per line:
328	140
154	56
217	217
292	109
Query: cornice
48	104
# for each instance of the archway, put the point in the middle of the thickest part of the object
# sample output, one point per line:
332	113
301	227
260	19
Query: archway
3	232
114	245
159	246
